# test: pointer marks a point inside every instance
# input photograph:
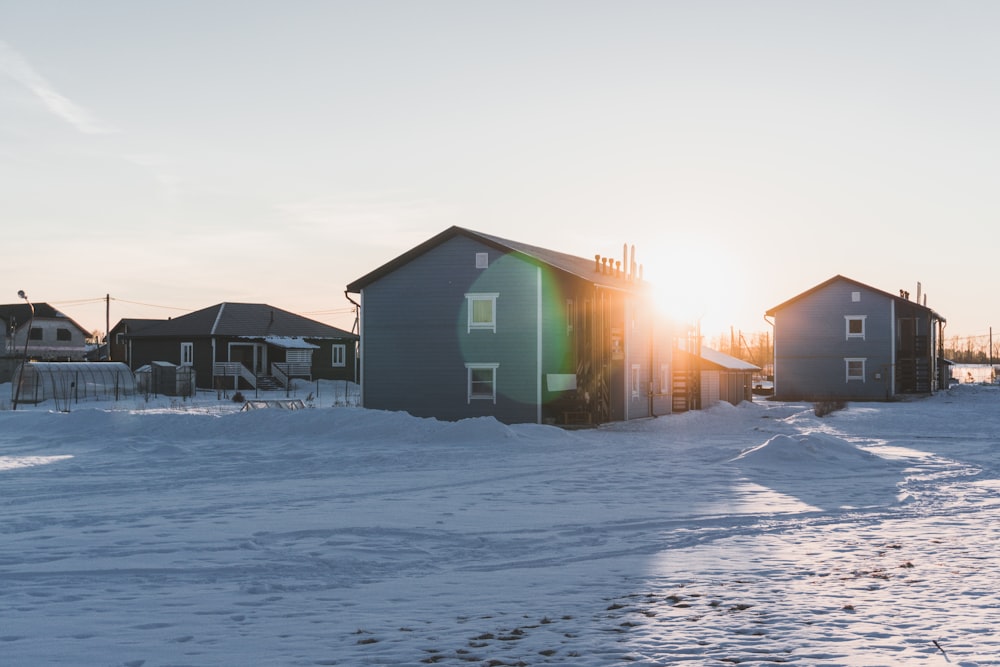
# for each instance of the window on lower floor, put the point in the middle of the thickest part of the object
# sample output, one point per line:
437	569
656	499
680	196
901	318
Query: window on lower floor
35	333
187	354
855	369
481	382
634	380
339	354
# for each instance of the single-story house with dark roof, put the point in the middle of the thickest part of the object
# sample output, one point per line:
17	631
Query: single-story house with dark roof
469	324
846	340
244	345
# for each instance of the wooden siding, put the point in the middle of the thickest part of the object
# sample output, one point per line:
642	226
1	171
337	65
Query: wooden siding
416	340
811	345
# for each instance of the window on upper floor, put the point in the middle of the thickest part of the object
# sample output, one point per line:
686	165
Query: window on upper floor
64	334
482	310
855	326
35	333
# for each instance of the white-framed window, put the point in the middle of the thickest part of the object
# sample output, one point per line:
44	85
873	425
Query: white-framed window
570	316
481	382
855	326
855	297
664	378
339	355
634	380
482	260
187	354
482	310
855	368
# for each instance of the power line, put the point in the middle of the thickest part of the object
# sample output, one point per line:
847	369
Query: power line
150	305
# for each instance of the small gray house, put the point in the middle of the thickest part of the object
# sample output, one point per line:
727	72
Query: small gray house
845	340
468	324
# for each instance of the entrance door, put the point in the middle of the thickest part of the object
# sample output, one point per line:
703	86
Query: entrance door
248	354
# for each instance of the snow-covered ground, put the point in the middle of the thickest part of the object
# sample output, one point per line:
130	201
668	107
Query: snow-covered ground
169	532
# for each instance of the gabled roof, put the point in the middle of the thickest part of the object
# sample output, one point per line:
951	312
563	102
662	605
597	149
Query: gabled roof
895	297
245	320
21	313
576	266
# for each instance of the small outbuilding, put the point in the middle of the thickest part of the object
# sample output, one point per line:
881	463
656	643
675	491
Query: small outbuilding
722	377
163	377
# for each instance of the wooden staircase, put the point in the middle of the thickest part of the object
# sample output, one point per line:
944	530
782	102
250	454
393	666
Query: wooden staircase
268	383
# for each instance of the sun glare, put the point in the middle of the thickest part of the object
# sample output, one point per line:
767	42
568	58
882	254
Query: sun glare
692	288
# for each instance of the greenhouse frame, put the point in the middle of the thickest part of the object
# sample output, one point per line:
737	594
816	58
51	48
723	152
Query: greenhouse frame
36	382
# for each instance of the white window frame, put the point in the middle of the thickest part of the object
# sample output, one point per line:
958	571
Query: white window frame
855	318
471	395
482	260
634	377
482	297
187	354
855	297
570	316
338	355
847	369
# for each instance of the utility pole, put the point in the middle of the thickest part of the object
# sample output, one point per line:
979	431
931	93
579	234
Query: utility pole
107	326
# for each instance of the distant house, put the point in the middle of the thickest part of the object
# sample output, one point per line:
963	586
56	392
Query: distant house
846	340
53	336
242	345
468	324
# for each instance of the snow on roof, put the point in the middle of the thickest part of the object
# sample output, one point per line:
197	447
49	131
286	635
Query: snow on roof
286	342
725	361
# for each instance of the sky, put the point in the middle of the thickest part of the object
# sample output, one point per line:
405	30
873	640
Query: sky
175	155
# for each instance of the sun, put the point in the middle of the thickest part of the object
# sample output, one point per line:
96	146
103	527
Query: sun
695	289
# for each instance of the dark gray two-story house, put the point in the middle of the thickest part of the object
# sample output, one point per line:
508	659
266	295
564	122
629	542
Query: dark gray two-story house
468	324
845	340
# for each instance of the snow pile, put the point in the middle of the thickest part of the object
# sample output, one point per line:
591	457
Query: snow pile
816	452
